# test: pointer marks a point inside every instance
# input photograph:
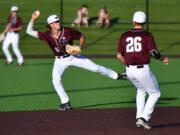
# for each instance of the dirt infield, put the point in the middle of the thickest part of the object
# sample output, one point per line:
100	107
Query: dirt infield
165	121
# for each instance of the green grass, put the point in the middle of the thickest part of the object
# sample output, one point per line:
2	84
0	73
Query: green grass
30	87
98	41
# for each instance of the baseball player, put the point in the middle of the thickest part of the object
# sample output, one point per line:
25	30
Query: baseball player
57	38
135	48
12	29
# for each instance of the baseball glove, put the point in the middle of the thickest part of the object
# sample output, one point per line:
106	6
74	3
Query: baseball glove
2	36
73	49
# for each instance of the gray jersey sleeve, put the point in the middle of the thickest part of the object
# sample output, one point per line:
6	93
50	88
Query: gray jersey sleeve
31	31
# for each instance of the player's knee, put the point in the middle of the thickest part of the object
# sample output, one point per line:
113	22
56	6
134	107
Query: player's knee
56	82
156	94
4	47
95	69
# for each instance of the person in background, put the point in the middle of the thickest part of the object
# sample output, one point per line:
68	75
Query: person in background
14	26
82	17
103	17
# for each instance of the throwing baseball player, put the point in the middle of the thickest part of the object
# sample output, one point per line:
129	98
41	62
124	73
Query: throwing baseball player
58	38
134	50
12	29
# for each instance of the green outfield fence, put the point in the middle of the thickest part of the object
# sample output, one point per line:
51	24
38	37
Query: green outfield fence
162	20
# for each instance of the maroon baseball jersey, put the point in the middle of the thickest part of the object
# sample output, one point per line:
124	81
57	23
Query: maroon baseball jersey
135	45
14	22
66	36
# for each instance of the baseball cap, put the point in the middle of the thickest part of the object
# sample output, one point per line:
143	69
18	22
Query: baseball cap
52	18
14	8
139	17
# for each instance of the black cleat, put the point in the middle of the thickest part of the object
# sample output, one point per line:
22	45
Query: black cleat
141	122
65	106
122	76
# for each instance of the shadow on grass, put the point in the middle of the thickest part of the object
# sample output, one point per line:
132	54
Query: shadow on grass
114	21
93	20
39	64
133	101
166	100
68	91
113	103
92	89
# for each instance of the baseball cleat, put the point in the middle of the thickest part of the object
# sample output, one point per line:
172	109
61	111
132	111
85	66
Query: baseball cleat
122	76
137	124
65	106
141	122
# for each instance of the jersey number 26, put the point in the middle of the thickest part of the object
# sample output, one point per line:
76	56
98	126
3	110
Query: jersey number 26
134	44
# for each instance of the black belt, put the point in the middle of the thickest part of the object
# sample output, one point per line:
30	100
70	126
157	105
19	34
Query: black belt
139	66
61	57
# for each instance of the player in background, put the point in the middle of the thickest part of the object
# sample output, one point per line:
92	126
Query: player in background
57	38
135	48
12	29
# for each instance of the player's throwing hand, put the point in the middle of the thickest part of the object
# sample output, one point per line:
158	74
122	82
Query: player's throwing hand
35	15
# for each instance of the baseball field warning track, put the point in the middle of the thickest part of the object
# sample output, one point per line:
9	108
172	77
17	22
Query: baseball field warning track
165	121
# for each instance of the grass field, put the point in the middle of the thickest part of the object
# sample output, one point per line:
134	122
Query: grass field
106	40
30	87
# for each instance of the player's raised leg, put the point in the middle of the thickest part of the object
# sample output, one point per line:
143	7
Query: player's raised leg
83	62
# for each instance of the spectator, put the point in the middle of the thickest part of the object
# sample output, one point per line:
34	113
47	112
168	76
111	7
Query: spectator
82	17
103	17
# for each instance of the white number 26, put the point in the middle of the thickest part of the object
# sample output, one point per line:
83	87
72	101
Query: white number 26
134	44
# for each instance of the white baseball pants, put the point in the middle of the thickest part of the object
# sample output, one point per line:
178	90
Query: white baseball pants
145	82
12	38
79	61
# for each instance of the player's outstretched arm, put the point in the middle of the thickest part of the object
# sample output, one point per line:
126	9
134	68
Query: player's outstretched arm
30	29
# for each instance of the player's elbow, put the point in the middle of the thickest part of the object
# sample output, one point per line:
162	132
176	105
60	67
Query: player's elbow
28	32
83	37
